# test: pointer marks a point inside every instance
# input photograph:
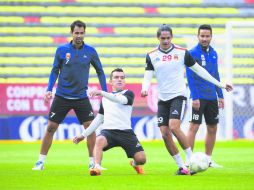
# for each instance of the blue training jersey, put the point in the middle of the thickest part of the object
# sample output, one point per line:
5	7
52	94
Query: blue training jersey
200	88
71	66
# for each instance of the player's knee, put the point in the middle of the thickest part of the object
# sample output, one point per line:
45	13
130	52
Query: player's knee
140	158
165	132
100	142
51	129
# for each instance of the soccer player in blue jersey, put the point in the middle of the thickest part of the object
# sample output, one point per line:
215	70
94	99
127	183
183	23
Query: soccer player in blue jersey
115	119
206	97
168	62
71	67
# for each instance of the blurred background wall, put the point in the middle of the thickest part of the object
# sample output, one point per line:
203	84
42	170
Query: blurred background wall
122	32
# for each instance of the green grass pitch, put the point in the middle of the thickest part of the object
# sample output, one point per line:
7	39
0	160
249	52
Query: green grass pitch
66	168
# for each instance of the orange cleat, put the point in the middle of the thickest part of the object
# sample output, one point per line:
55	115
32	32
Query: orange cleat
95	172
138	169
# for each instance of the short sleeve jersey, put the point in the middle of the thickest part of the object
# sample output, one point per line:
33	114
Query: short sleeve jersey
169	69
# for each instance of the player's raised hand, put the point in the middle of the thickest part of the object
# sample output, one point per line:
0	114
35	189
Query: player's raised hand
95	93
77	139
229	87
144	93
47	96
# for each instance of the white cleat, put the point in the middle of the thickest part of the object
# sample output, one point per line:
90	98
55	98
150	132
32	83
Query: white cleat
101	168
38	166
213	164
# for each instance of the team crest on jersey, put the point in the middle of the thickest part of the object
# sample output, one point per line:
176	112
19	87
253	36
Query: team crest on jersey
176	57
67	57
203	60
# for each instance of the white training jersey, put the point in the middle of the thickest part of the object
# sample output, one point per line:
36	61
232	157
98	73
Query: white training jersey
116	115
169	68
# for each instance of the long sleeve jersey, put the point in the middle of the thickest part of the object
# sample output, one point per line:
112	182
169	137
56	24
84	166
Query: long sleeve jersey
72	67
199	88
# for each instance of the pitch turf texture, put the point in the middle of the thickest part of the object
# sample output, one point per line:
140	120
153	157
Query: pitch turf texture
66	168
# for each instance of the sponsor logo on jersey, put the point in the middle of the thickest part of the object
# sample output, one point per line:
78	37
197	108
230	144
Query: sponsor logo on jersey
176	57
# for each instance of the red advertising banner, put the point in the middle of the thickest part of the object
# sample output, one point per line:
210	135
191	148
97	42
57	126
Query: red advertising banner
27	99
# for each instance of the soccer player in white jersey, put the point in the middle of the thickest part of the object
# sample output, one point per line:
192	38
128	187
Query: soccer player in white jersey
115	117
168	62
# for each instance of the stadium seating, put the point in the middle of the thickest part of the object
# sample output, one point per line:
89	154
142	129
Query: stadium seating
121	31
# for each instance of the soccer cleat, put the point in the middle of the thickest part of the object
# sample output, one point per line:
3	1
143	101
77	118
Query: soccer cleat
95	172
192	173
182	171
187	163
38	166
138	169
213	164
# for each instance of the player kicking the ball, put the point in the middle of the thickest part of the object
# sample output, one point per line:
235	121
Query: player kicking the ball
115	117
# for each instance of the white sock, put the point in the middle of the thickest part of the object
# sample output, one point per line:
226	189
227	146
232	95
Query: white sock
134	163
42	158
209	157
188	153
179	161
91	159
98	166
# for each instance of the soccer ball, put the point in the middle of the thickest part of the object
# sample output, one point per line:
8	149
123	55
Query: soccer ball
198	162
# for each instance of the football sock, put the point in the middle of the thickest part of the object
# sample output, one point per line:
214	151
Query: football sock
179	161
188	153
42	158
134	163
209	157
91	159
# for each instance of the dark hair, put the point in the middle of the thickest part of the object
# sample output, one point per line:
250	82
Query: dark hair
164	27
77	23
115	70
205	27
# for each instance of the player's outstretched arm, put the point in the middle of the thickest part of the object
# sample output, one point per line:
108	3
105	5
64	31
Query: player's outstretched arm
98	120
200	71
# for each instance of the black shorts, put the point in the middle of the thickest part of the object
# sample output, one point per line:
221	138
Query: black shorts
170	109
61	106
123	138
210	110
